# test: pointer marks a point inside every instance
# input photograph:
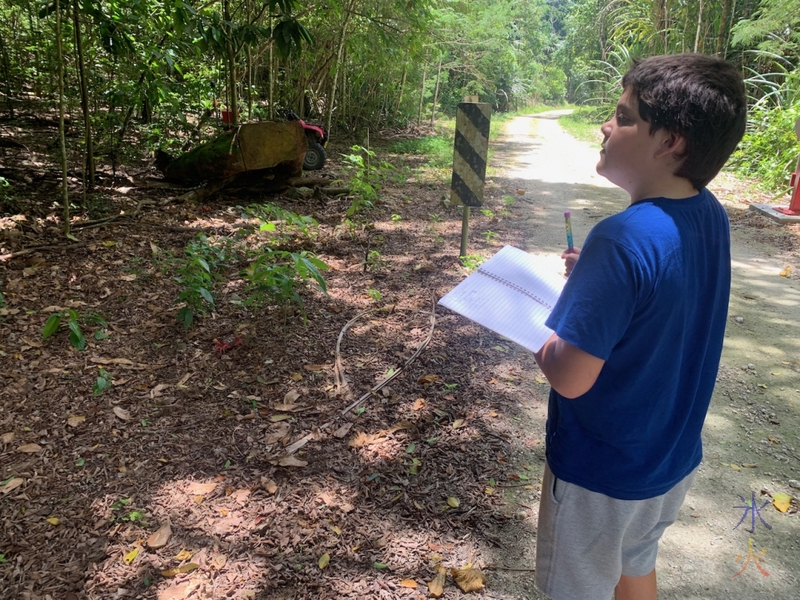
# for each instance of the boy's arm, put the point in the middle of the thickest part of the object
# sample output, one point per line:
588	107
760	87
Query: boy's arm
570	371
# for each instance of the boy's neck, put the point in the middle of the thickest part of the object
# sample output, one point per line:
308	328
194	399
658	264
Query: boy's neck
671	186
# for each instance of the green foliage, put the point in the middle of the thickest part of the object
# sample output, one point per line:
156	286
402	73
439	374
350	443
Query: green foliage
775	27
437	149
285	224
472	261
366	174
375	261
584	124
121	512
196	273
374	295
278	276
104	382
53	323
769	149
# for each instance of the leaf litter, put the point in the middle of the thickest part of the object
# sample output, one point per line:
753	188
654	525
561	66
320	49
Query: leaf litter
183	440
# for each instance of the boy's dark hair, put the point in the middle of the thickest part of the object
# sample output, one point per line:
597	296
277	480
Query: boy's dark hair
699	97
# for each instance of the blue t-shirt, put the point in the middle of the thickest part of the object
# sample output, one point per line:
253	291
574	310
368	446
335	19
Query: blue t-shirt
649	295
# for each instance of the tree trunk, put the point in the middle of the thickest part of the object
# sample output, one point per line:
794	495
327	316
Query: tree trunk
723	27
61	138
436	92
400	93
233	103
728	36
271	75
422	94
340	50
87	117
4	60
699	26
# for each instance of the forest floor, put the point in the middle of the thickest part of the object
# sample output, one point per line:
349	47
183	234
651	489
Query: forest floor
176	481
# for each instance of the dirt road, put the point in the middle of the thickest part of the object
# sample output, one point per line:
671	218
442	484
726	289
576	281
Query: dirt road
751	435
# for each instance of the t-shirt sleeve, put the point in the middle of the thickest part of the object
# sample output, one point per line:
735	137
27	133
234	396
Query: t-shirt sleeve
600	296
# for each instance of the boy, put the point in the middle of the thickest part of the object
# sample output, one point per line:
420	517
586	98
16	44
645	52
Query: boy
638	334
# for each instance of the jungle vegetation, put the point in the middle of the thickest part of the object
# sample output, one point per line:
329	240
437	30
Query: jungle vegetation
162	69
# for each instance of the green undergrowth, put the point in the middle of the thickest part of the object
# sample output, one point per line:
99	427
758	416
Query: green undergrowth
274	270
583	124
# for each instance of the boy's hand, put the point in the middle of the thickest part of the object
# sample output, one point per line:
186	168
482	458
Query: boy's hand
570	258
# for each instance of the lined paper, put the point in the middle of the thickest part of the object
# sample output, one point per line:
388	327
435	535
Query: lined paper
512	294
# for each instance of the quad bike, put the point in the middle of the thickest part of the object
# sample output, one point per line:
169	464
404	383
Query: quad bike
317	140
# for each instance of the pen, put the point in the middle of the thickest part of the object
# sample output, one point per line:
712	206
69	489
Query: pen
568	221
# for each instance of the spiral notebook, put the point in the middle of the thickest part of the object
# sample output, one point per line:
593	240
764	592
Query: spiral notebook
512	294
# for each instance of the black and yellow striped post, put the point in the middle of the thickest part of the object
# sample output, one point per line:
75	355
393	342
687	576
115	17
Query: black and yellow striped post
469	160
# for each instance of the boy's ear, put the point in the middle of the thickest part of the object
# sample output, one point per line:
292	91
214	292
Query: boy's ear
672	143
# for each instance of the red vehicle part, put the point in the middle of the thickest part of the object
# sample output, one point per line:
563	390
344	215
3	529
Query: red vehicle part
317	138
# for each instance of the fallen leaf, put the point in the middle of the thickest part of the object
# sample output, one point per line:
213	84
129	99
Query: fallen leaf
313	368
288	407
428	379
468	579
270	486
291	397
749	465
12	484
198	499
180	591
782	501
122	414
75	421
184	555
30	448
288	461
540	380
419	403
131	556
379	565
54	521
409	583
458	423
201	488
365	439
399	426
453	502
436	585
7	438
324	560
182	569
296	377
786	272
736	467
343	430
277	433
283	417
160	538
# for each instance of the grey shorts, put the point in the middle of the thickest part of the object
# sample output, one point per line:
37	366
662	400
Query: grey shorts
586	540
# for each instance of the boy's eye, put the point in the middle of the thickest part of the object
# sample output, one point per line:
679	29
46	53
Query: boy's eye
621	118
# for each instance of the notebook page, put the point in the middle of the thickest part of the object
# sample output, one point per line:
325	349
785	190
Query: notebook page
516	307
